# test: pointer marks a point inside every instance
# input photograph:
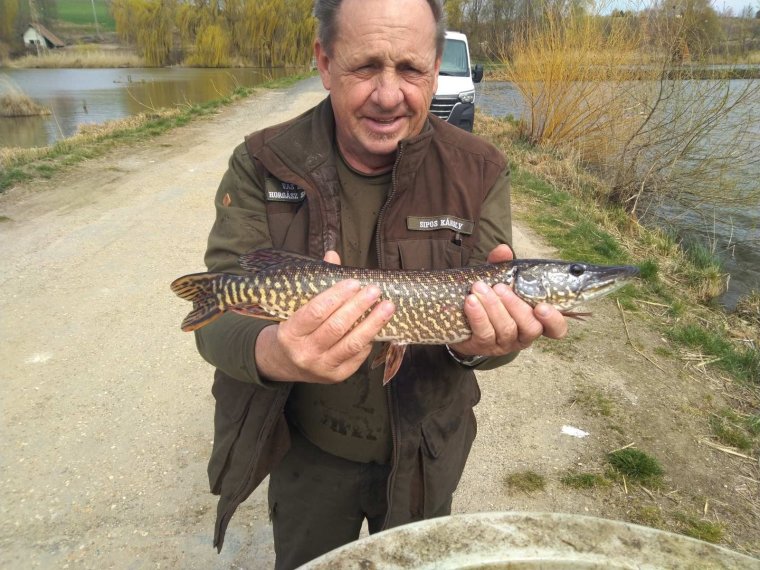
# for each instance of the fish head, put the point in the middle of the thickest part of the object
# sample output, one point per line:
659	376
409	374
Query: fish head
567	284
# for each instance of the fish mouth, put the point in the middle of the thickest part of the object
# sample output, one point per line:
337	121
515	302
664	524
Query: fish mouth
608	279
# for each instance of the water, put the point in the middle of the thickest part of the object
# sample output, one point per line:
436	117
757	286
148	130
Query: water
81	96
732	232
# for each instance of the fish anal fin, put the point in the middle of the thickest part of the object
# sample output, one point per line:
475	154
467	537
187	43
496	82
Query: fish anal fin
261	259
204	311
254	311
394	356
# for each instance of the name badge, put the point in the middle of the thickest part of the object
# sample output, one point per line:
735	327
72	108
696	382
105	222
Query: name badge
443	222
285	192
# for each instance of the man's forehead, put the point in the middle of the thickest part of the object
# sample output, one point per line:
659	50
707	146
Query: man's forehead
397	22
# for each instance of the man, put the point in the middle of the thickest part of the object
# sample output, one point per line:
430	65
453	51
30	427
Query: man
366	178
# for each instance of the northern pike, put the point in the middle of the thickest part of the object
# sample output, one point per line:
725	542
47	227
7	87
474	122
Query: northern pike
429	303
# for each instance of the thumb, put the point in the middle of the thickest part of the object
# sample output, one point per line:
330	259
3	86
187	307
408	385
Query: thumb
331	256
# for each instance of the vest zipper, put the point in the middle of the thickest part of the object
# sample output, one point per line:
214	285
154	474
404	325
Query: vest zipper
390	391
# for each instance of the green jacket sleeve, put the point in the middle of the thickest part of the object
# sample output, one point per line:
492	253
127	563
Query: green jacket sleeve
240	226
495	228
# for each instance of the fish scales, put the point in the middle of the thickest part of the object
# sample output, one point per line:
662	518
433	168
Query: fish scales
428	311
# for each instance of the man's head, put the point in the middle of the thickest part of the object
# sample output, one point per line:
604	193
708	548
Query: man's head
379	59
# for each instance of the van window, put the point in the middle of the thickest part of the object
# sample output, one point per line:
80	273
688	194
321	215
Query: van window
454	60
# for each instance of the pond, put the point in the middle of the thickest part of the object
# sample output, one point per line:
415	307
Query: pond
81	96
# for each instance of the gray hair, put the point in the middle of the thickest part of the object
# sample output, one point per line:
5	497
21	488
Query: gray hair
326	11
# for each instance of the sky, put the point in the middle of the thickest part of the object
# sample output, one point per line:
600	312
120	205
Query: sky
735	5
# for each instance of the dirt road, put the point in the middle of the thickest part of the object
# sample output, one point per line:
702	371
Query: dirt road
106	406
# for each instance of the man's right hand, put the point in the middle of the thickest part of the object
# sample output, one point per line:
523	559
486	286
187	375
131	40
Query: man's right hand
322	342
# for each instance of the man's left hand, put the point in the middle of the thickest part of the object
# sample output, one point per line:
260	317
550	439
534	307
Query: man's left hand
501	322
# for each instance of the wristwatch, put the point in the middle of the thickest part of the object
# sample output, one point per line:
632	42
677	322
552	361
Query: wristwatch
469	361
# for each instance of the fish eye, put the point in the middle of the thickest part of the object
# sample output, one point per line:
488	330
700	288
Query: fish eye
576	270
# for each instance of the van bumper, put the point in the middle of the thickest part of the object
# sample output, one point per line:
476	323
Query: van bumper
463	116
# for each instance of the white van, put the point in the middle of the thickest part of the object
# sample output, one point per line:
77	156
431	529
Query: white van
454	101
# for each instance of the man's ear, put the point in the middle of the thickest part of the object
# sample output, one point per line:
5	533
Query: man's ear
323	64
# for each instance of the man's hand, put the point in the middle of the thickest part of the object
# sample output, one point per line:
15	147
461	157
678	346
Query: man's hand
322	342
501	322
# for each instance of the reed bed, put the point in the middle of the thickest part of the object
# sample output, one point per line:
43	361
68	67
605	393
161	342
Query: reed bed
19	105
81	57
15	103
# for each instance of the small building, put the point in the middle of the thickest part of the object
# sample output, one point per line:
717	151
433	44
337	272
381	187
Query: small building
38	35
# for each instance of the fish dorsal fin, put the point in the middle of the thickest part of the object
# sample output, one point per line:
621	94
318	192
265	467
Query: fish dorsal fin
265	258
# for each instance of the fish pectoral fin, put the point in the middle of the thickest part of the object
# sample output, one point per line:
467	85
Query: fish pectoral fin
254	311
576	316
392	355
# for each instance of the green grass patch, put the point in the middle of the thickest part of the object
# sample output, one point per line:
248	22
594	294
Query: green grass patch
735	430
699	528
593	401
584	480
566	225
648	516
743	364
636	466
79	13
525	482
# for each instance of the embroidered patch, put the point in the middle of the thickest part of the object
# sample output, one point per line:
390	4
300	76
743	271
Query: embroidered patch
286	192
442	222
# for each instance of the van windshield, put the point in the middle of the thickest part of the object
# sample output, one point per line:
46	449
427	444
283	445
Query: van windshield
455	59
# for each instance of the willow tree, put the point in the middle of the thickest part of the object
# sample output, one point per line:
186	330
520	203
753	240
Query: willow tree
212	47
148	24
275	32
9	10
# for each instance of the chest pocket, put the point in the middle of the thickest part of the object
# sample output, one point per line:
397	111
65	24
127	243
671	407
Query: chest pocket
287	216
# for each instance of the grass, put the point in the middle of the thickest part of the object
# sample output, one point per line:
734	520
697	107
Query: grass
742	363
525	482
82	56
79	12
20	105
699	528
593	401
637	466
23	165
584	480
735	430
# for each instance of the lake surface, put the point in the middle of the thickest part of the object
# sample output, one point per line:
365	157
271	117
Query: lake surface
81	96
733	231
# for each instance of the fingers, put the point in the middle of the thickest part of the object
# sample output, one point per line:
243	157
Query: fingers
328	338
501	322
554	322
500	254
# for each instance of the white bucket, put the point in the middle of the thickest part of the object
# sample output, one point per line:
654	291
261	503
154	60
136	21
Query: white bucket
551	541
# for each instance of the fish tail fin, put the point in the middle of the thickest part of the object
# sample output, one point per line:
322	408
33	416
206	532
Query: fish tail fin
198	288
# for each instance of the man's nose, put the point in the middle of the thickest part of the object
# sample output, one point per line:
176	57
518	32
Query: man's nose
387	93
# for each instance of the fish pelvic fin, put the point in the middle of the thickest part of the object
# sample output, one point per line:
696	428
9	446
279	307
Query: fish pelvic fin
392	355
577	316
198	289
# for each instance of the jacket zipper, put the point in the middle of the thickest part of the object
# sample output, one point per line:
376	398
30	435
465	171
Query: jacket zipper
389	390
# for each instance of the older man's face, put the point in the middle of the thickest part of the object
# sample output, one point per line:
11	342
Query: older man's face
382	74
